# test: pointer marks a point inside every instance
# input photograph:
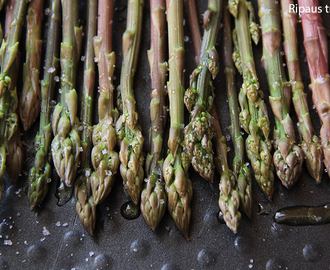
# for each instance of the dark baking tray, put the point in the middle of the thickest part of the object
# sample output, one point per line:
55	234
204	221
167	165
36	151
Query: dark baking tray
53	238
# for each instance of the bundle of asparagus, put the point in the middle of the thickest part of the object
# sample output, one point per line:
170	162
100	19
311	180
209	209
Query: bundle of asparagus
66	144
40	173
128	130
11	156
288	157
253	115
310	144
316	46
30	97
178	185
85	206
153	197
104	158
199	97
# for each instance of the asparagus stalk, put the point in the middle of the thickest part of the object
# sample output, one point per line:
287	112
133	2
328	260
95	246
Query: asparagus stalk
128	130
2	4
288	156
9	47
241	170
66	145
10	146
229	199
85	205
153	197
310	144
104	158
29	104
178	185
40	173
315	42
199	97
253	115
194	28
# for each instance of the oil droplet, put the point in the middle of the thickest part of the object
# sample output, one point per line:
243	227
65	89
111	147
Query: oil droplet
130	211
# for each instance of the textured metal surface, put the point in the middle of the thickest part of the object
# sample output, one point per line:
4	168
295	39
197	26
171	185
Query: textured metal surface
53	238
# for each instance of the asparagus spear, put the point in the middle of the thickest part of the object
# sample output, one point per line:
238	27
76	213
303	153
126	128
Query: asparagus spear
199	97
315	42
128	130
66	144
253	115
178	185
310	144
241	170
9	47
288	157
104	158
153	197
194	28
85	206
10	146
29	104
229	199
40	173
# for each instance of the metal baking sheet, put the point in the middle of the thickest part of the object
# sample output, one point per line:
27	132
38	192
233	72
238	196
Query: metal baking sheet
53	238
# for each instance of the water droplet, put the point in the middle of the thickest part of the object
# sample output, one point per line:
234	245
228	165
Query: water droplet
278	230
36	252
220	217
71	238
58	224
140	248
101	262
47	11
205	257
240	244
264	209
82	58
310	253
169	266
274	264
91	253
56	79
186	38
129	210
